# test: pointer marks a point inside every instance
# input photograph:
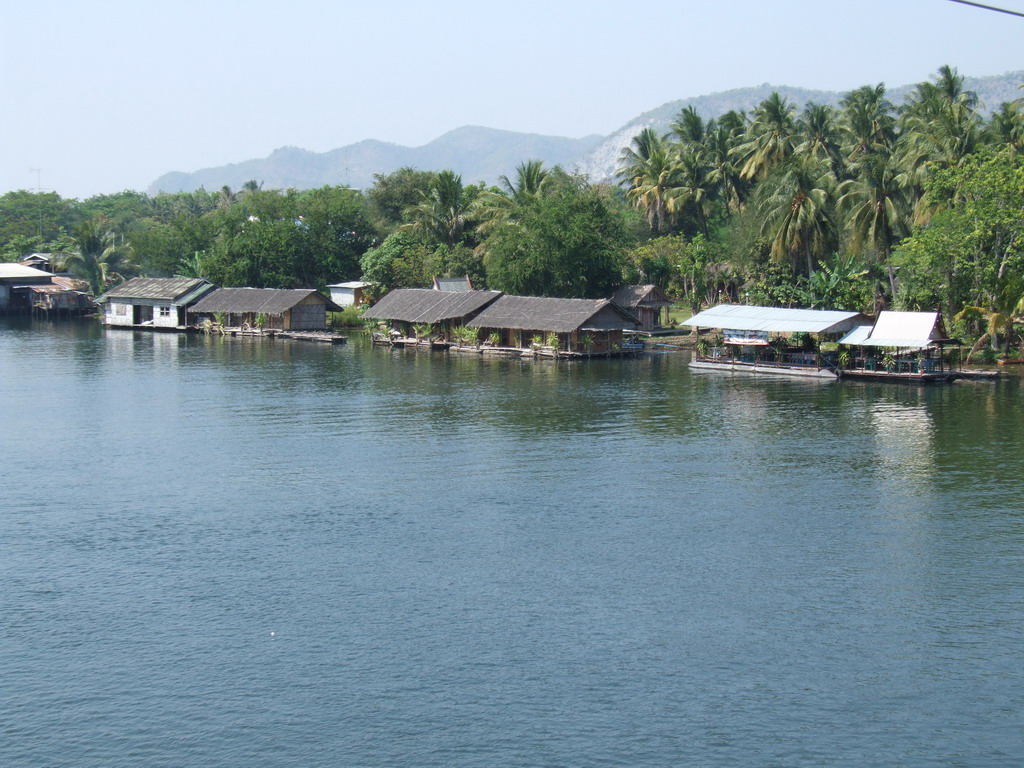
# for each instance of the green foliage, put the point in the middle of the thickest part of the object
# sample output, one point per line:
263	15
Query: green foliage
568	243
401	261
393	194
842	283
350	317
42	215
98	257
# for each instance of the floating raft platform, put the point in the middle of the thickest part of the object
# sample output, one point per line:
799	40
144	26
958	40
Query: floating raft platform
730	366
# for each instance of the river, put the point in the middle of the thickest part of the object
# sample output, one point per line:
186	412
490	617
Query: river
227	552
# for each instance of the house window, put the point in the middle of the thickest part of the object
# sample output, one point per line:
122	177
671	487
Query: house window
121	309
165	311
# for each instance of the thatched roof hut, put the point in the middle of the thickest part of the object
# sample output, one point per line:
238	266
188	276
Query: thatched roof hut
287	309
425	305
533	313
645	302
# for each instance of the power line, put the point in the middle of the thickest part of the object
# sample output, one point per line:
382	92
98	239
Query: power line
989	8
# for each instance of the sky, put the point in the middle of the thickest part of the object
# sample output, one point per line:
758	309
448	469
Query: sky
107	95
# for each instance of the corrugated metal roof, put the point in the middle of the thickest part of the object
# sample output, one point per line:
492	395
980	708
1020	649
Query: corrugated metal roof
907	330
351	284
12	271
533	313
857	336
425	305
743	317
267	301
460	284
168	289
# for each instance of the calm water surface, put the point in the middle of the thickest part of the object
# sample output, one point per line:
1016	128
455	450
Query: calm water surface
217	552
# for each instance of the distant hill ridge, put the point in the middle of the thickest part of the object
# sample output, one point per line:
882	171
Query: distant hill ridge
485	154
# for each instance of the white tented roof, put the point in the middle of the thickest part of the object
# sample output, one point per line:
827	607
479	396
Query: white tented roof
857	336
742	317
913	330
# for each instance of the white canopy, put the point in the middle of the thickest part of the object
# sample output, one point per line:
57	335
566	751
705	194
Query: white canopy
904	330
742	317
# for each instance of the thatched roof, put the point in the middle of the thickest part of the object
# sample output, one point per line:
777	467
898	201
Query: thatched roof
168	289
632	296
266	301
532	313
424	305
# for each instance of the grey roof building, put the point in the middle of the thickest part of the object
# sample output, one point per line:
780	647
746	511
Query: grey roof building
287	309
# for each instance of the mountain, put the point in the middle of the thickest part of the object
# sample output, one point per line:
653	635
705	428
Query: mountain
600	164
485	154
478	154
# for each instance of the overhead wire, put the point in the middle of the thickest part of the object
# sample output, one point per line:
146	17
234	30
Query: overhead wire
989	8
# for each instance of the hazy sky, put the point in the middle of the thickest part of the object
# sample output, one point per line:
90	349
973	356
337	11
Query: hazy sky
105	95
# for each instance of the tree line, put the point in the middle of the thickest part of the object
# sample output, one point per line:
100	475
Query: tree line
863	206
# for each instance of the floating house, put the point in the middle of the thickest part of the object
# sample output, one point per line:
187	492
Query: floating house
296	309
555	326
441	310
350	294
647	303
24	288
900	345
153	302
748	345
64	295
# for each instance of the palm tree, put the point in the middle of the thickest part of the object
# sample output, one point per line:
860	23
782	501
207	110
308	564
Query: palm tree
867	123
771	138
940	127
819	136
721	139
648	165
1006	310
688	128
97	255
876	207
695	187
796	203
443	210
506	204
1007	126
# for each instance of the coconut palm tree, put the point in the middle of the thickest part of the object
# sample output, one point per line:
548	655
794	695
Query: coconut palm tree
688	128
1006	127
506	204
443	211
796	205
819	137
939	128
771	138
695	187
867	122
97	256
722	138
1005	311
650	168
876	208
